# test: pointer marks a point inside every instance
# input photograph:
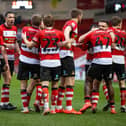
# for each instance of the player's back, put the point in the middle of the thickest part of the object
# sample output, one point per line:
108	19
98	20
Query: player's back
101	44
118	51
120	38
29	55
30	32
49	39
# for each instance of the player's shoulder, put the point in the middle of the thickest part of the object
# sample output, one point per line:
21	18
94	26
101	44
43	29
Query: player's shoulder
95	32
40	33
110	29
43	31
14	27
59	32
99	33
2	26
25	28
72	23
123	32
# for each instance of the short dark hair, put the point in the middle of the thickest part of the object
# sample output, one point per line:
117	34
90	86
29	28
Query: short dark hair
36	20
105	21
9	12
75	13
116	20
48	20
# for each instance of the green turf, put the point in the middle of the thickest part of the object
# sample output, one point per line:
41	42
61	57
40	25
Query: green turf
16	118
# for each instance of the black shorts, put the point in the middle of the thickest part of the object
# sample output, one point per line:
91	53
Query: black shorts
27	71
50	74
11	65
119	69
67	67
100	72
86	69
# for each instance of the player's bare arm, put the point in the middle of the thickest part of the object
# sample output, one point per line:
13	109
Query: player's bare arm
17	49
3	51
66	43
113	39
67	32
82	37
10	46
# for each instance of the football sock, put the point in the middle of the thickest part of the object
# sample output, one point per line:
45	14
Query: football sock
61	92
69	97
5	94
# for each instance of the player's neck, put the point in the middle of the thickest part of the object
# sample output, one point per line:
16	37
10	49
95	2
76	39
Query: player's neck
75	19
49	28
7	25
37	27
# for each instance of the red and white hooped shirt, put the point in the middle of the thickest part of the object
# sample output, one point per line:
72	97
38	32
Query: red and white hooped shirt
118	51
9	36
101	44
49	51
30	56
74	34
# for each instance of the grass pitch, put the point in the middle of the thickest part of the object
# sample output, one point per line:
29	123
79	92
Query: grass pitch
16	118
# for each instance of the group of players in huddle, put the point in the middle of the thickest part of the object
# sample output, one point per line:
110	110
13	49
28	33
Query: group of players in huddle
46	54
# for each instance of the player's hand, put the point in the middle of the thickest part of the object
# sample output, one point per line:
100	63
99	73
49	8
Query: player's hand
79	44
113	46
9	46
70	42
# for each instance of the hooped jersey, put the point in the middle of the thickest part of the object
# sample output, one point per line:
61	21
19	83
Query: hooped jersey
30	56
73	34
49	50
9	37
101	44
120	42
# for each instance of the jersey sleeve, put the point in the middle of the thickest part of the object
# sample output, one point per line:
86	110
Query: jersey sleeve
86	42
36	38
87	38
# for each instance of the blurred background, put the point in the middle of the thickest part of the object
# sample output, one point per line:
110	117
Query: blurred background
93	10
